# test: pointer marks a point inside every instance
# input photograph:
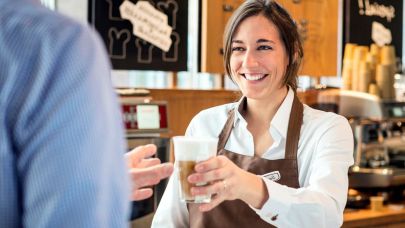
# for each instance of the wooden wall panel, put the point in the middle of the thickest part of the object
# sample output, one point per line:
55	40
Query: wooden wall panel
318	25
317	22
183	105
215	15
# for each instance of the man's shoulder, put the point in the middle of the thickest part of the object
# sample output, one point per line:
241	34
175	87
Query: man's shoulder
24	19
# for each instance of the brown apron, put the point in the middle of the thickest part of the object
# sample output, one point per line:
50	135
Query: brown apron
236	213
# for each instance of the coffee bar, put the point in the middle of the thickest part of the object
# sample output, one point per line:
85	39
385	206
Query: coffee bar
353	65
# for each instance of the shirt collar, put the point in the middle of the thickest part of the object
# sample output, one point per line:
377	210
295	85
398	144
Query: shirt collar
279	119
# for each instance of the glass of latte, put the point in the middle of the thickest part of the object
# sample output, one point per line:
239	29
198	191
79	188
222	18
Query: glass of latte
188	151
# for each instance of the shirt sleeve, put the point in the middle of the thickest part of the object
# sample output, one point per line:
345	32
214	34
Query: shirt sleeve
322	201
69	135
172	212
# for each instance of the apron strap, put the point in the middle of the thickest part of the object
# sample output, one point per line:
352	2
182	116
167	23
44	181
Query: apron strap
226	130
294	128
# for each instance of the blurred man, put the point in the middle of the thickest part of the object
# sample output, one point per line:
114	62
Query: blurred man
61	135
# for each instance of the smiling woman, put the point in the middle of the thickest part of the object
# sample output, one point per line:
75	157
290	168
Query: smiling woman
279	162
258	59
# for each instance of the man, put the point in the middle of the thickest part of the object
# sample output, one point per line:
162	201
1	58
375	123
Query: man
61	136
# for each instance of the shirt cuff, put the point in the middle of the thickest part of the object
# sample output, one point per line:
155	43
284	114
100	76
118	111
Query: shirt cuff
278	204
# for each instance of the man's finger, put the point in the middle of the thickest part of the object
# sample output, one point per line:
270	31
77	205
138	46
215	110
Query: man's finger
151	175
145	163
135	156
142	194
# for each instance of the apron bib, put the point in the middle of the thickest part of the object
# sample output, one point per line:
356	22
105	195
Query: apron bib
236	213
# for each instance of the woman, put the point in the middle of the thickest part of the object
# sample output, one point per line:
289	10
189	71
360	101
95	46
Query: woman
279	163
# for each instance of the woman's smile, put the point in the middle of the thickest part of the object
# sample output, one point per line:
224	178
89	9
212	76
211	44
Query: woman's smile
254	76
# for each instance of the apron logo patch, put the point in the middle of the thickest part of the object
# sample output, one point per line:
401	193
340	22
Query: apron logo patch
273	176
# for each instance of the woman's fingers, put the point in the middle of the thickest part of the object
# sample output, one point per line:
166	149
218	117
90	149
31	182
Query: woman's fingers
211	164
213	175
214	188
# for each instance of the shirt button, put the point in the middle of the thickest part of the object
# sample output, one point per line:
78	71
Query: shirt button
274	218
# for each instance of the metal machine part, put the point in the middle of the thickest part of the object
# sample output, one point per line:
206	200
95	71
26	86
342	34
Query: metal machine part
377	124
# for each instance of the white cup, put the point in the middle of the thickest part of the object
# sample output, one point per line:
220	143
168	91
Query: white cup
188	151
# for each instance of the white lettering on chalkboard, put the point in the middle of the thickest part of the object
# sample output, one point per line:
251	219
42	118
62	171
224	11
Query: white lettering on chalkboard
380	35
148	23
375	9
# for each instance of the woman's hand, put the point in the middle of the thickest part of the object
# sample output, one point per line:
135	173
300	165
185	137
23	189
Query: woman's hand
145	171
227	182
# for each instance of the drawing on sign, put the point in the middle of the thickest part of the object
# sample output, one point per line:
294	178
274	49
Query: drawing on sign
172	54
113	13
170	8
143	34
148	23
118	42
380	34
144	56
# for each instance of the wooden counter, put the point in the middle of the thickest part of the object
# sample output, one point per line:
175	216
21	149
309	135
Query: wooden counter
388	217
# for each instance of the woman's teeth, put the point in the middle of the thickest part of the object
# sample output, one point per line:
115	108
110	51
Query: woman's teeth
254	77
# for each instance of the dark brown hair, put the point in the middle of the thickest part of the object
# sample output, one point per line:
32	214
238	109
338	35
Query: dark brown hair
286	27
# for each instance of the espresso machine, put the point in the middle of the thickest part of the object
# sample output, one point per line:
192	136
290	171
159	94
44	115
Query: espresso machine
146	122
379	153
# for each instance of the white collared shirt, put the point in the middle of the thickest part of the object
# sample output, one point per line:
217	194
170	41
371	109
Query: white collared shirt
325	152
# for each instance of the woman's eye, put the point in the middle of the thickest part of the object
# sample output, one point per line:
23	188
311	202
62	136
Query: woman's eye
265	47
237	49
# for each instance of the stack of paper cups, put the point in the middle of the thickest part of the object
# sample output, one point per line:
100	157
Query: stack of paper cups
387	57
385	81
372	60
375	50
373	89
364	77
348	66
359	56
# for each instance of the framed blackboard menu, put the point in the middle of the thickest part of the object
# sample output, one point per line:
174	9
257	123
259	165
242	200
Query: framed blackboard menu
373	21
143	35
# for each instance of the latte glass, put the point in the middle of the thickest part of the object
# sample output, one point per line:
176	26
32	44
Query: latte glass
188	151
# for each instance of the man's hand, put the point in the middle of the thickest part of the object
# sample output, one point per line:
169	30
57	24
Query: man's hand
145	171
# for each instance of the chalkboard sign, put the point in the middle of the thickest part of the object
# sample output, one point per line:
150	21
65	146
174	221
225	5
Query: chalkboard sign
143	35
373	21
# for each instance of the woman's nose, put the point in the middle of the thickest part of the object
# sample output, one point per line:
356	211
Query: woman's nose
250	59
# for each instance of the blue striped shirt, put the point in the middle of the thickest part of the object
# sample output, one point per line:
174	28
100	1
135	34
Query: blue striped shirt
61	136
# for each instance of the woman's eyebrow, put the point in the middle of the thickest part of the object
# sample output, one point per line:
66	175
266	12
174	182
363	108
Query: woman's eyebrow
264	41
237	41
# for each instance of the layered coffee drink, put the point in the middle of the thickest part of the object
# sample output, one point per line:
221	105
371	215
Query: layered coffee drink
188	151
185	169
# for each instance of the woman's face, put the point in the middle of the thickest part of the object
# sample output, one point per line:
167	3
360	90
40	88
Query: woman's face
259	60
